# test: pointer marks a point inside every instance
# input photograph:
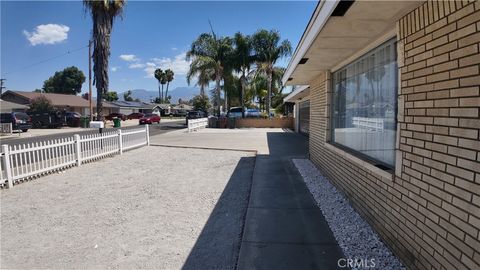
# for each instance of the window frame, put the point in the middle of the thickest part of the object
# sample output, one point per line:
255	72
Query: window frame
331	136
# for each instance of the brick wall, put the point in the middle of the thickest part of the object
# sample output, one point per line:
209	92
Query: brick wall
428	212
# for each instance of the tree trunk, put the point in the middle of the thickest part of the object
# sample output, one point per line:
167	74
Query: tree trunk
226	97
202	90
166	92
102	28
217	92
242	93
159	93
269	92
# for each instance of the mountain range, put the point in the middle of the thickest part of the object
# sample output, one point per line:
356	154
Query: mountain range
185	93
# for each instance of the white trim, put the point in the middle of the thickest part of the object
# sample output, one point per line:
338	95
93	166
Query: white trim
372	45
295	92
324	10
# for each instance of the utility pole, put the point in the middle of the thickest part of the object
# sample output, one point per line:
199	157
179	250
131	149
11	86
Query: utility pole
1	86
90	78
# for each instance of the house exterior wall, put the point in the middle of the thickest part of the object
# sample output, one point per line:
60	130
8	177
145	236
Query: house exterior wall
428	210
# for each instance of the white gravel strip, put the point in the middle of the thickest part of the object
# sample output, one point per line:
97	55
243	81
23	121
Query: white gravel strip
354	235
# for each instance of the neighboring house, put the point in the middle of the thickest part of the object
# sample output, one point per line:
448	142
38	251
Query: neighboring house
60	101
301	111
165	109
394	120
6	107
128	107
181	109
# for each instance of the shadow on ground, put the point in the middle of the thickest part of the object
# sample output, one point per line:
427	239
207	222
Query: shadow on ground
266	217
218	245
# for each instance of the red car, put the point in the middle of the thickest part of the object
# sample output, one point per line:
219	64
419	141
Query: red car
136	115
149	118
122	116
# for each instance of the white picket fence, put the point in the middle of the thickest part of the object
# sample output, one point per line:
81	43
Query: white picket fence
6	128
196	124
23	162
368	123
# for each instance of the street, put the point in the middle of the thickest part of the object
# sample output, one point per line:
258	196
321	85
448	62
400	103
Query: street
155	129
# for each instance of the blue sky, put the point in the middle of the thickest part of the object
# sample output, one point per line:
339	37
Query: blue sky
151	34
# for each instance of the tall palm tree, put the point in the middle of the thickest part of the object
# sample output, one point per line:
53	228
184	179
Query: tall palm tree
169	77
209	52
268	49
243	58
103	14
158	75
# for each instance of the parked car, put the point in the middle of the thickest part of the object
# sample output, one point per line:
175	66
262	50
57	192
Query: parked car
136	115
111	116
48	119
194	115
252	113
20	120
72	119
234	112
149	118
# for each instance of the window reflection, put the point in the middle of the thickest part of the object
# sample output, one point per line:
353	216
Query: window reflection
365	102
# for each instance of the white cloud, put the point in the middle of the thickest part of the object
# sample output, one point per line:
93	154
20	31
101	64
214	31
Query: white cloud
114	68
178	64
174	49
129	57
136	65
47	34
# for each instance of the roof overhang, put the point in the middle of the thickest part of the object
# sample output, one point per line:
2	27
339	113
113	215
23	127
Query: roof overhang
331	40
298	94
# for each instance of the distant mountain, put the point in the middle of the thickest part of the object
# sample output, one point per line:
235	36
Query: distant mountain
185	93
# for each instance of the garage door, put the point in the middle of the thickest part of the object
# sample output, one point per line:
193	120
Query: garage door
304	117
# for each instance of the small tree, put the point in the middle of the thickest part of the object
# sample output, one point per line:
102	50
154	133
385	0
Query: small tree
201	103
111	96
41	104
127	96
68	81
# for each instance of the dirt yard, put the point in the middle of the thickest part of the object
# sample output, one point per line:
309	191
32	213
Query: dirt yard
154	207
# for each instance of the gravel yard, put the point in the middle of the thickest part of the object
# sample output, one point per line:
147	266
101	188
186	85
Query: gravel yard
154	207
354	235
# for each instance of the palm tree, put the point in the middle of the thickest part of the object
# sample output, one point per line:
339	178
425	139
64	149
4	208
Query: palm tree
268	49
163	81
169	77
158	75
242	61
204	75
103	14
211	53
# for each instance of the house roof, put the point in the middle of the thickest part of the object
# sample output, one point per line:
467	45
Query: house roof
182	107
59	99
6	106
332	39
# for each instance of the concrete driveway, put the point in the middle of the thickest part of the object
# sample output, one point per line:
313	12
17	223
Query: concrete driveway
151	208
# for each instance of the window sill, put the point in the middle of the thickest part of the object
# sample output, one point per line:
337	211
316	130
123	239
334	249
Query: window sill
360	162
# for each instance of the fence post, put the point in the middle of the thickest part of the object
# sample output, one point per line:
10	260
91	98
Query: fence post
8	169
147	133
120	142
78	149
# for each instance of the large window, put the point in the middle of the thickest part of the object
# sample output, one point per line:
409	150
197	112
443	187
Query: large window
364	105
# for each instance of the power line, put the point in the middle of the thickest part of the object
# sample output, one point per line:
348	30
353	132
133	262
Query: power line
46	60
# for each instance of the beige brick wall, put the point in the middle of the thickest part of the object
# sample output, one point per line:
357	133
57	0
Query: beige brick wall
286	122
428	212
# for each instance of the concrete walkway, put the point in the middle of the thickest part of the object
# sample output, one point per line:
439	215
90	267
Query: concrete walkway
284	228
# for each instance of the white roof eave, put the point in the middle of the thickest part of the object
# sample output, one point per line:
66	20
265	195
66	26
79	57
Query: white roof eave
324	10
